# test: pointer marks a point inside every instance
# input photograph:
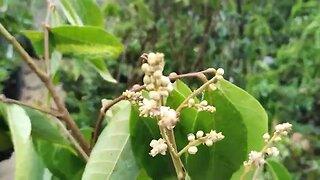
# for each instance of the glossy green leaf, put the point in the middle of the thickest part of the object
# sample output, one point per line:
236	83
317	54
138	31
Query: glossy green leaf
88	41
28	165
142	131
47	128
112	157
101	68
254	116
85	41
222	159
62	163
277	170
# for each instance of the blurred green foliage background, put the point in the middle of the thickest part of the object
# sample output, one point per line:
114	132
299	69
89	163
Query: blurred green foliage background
270	48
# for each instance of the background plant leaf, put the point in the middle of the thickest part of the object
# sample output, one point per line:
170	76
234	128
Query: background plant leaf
277	170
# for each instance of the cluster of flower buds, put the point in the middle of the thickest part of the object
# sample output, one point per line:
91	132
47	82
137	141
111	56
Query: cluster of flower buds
218	76
257	159
133	97
202	106
158	147
199	138
157	84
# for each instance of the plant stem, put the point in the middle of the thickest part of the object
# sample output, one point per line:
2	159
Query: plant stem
180	170
47	82
46	111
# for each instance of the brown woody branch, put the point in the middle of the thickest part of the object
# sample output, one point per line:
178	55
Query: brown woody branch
65	116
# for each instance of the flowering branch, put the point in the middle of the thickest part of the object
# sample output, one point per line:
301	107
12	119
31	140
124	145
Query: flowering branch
257	159
137	88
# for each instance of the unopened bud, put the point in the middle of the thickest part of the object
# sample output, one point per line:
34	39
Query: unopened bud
200	134
192	150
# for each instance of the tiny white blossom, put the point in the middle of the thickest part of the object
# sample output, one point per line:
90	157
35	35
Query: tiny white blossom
255	158
266	137
158	147
209	142
220	71
214	136
191	137
283	128
148	108
277	139
191	102
199	134
273	151
192	150
168	117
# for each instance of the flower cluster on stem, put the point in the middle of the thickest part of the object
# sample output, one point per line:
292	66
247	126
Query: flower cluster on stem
200	138
258	158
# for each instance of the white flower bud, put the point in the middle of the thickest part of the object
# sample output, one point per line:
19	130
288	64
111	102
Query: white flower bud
273	151
154	95
266	137
200	134
169	87
220	71
164	93
145	67
277	139
209	142
191	137
219	77
192	150
157	74
204	103
165	81
150	87
146	79
152	58
191	102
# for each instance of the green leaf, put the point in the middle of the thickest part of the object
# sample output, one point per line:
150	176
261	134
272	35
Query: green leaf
62	163
70	12
112	157
254	116
278	171
222	159
47	128
85	41
56	60
90	13
101	68
88	41
28	165
36	37
142	131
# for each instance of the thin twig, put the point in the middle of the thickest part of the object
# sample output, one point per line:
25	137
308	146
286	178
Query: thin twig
104	109
73	141
46	111
47	82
